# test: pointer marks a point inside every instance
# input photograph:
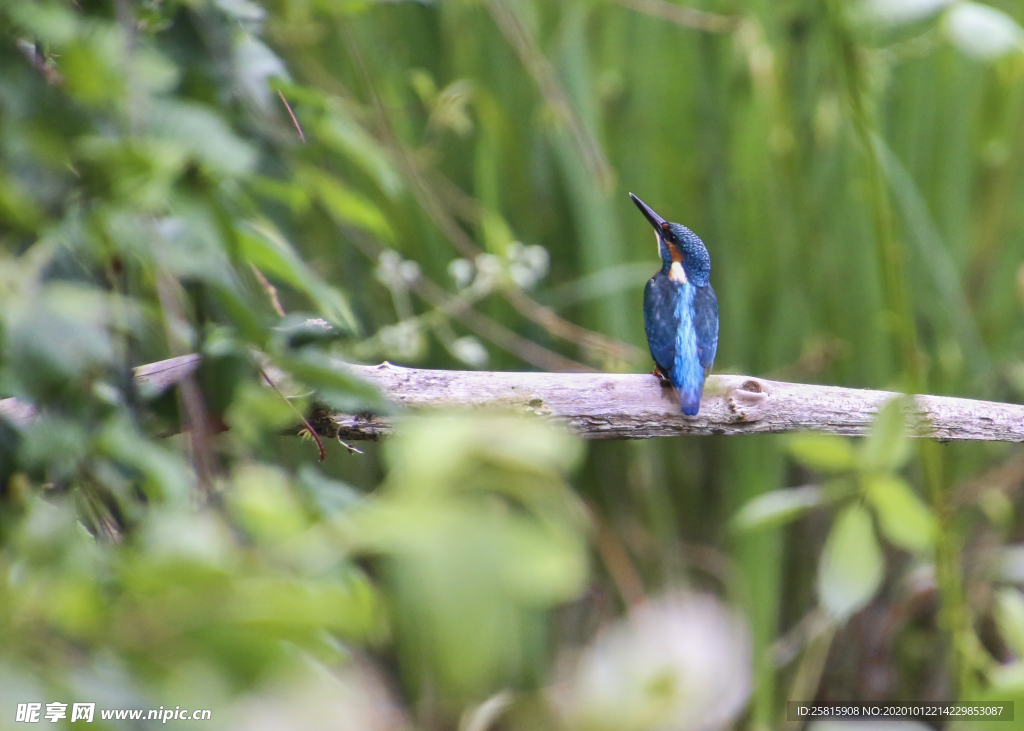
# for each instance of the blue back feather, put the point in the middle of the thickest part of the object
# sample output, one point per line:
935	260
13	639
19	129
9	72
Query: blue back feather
681	321
686	372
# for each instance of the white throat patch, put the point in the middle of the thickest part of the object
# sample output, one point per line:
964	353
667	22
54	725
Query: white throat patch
676	273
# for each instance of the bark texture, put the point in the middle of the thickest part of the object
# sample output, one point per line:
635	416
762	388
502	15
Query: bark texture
630	406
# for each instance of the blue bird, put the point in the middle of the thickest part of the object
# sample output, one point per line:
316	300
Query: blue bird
680	310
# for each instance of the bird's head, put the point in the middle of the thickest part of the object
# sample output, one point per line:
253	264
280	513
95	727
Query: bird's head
678	245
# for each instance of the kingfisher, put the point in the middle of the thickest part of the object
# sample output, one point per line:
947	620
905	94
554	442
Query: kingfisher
680	310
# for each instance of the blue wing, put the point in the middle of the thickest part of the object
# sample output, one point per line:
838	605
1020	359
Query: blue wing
705	322
661	322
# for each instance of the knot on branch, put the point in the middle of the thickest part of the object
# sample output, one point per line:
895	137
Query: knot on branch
747	400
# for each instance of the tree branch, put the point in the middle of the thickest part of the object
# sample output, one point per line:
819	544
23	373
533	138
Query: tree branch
631	406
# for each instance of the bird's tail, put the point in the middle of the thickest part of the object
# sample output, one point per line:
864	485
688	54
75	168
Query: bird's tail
689	399
688	378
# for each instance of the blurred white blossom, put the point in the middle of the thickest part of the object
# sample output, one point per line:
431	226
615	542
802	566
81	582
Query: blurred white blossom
489	270
461	272
527	264
522	266
388	264
982	32
393	270
403	341
682	663
470	351
408	272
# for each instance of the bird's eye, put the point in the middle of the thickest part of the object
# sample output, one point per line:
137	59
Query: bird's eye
666	231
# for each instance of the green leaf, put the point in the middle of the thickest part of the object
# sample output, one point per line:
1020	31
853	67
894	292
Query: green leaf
822	452
242	314
287	193
482	536
167	475
1009	615
330	496
777	507
203	134
340	132
346	206
266	249
10	445
335	385
257	413
56	445
904	518
255	65
46	22
92	65
997	507
56	340
157	72
262	501
521	443
16	207
851	567
138	173
888	445
298	331
348	605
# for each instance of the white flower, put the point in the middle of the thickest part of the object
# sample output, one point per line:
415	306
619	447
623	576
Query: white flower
982	31
470	351
403	341
527	264
488	264
388	265
409	271
682	663
392	270
489	270
461	271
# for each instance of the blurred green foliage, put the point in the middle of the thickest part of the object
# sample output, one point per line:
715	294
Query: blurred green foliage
287	185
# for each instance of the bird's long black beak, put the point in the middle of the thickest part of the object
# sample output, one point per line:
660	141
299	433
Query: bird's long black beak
657	221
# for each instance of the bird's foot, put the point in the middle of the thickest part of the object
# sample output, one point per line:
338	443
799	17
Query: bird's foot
668	391
657	372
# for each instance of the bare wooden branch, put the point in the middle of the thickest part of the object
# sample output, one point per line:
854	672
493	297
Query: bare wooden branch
630	406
